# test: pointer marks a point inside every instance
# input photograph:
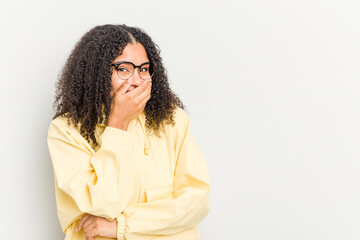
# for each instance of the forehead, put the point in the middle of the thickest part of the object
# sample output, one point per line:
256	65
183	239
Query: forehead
134	53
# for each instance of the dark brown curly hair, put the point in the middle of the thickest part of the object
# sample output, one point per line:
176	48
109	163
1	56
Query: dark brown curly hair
83	88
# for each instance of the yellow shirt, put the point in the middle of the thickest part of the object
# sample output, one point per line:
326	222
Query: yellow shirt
156	187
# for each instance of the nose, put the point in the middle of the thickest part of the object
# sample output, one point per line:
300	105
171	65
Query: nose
135	78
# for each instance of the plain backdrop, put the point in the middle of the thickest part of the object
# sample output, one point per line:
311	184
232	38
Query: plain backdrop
272	89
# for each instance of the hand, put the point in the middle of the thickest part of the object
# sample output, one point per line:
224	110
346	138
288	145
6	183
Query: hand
126	106
97	226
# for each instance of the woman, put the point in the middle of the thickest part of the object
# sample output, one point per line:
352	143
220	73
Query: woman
125	163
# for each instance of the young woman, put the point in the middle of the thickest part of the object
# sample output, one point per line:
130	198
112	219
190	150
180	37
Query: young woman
126	165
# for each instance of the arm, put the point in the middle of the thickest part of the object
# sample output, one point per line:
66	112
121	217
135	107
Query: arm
188	205
101	183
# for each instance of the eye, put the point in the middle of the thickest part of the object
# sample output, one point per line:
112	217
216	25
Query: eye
144	69
122	70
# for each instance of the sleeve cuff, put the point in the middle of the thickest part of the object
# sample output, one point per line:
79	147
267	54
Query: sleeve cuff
121	228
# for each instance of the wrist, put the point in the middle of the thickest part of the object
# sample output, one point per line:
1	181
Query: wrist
123	125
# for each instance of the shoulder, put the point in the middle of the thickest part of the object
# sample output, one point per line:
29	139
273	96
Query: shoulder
181	122
62	130
180	116
62	121
62	124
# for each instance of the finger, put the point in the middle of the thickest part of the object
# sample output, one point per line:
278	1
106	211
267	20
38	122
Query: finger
145	101
141	88
82	220
89	224
123	88
145	95
92	233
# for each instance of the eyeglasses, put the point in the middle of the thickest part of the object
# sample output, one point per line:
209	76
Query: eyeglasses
126	69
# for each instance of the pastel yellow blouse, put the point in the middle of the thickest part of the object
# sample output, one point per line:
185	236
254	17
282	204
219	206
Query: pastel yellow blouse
156	187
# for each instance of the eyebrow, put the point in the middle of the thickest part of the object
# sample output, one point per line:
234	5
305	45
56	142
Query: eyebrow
124	61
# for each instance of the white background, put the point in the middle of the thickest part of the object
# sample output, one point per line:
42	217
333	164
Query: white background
272	89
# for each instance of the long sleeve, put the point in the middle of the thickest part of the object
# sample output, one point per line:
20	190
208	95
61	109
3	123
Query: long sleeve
100	183
187	206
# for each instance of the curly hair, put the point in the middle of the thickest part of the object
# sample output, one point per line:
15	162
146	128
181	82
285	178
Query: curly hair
84	84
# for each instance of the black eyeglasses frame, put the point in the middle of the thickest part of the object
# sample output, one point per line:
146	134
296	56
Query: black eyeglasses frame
116	66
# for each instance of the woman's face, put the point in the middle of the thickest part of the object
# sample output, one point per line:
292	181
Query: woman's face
136	54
